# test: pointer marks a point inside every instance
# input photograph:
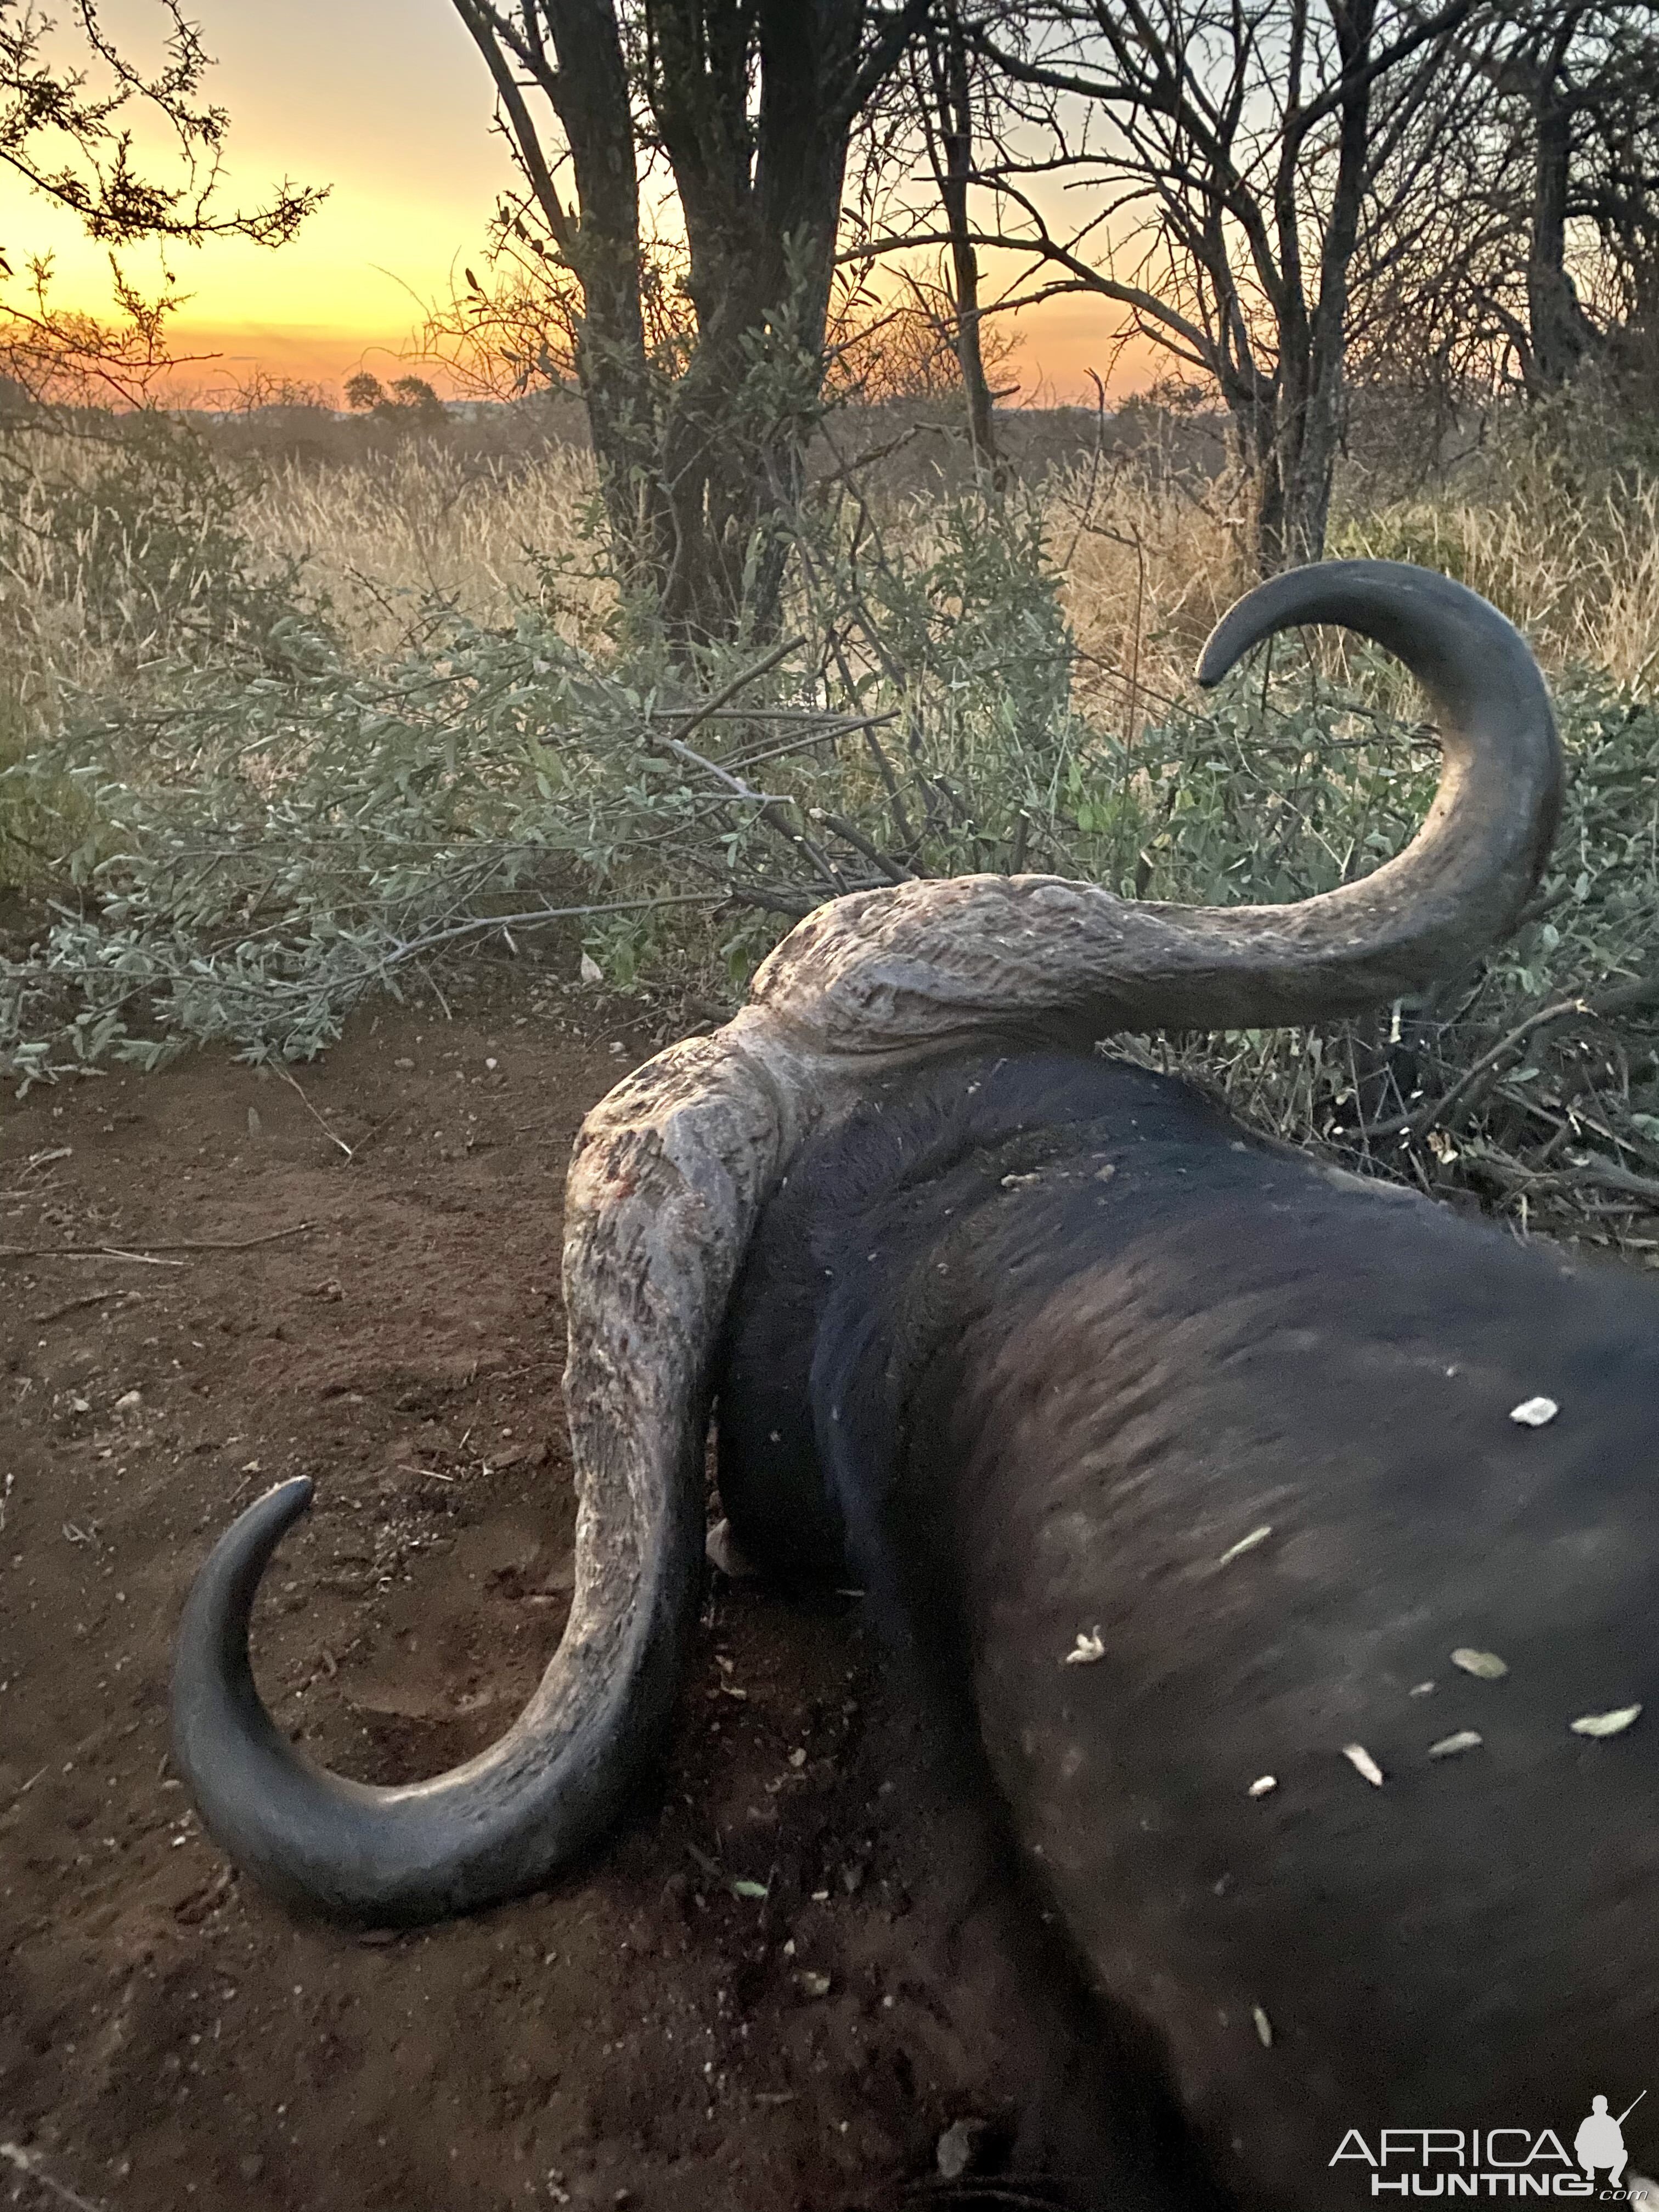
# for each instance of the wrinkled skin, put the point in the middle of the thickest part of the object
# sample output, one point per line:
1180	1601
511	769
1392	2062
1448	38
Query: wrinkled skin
1045	1337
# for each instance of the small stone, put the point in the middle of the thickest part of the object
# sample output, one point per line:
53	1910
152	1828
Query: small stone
1263	1783
724	1551
250	2166
1485	1666
959	2148
1450	1745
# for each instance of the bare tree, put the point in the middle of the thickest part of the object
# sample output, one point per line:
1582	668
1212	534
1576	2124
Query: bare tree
745	107
1227	153
1626	213
67	131
945	101
1435	320
1532	248
1559	334
1584	80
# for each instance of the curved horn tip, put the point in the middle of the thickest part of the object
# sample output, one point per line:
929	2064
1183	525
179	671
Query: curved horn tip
222	1596
1329	592
271	1516
296	1493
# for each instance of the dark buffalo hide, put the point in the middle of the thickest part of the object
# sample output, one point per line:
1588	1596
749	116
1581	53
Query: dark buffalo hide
1049	1339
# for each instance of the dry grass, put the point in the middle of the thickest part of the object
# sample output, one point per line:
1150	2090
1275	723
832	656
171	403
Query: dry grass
1145	570
384	537
1146	573
1579	575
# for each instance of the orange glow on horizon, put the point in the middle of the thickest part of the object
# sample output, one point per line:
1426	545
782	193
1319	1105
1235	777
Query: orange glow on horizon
218	361
396	122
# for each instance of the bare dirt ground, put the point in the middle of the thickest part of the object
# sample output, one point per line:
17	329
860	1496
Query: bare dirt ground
644	2035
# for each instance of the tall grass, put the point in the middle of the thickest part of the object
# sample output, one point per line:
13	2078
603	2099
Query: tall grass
106	561
1577	571
1144	569
383	538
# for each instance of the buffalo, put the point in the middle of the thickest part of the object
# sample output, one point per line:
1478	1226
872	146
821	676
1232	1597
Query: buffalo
1277	1546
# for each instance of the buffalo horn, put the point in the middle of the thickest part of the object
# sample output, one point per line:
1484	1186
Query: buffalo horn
669	1172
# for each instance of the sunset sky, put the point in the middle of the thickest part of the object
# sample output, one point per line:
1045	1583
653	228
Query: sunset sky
388	102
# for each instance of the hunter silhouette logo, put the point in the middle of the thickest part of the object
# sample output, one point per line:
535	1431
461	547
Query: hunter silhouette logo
1600	2140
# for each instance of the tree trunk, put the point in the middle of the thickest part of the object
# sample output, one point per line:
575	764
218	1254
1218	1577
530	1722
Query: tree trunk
1289	430
953	165
698	472
1262	443
1320	429
1560	333
1294	504
586	82
762	200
